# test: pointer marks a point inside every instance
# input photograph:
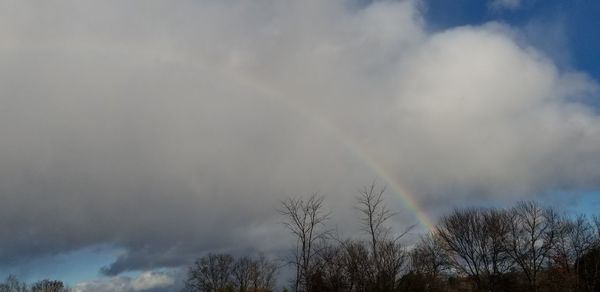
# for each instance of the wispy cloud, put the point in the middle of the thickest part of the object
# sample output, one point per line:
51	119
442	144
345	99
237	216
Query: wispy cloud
506	4
146	281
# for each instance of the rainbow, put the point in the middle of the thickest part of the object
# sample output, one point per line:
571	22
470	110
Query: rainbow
364	156
408	198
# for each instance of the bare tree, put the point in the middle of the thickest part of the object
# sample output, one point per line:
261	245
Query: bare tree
531	238
48	286
589	270
393	259
331	272
428	259
388	254
588	265
573	238
374	216
263	277
458	234
495	257
12	284
254	274
359	267
596	220
306	219
242	273
211	273
474	241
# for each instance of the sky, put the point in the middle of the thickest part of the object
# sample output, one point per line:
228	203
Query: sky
138	136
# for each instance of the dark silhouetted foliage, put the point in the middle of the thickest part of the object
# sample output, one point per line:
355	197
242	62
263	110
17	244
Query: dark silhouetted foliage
528	248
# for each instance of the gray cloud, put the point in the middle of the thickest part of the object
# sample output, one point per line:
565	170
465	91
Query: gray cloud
171	129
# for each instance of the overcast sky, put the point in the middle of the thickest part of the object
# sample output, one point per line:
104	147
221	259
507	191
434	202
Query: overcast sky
137	136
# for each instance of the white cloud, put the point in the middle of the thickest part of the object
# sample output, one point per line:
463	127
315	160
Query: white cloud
145	281
146	127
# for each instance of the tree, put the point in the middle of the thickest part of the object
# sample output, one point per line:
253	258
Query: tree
211	273
588	265
573	238
358	264
387	253
12	284
263	276
474	241
374	216
48	286
589	270
531	238
242	273
254	274
428	260
597	229
458	234
331	273
306	219
495	257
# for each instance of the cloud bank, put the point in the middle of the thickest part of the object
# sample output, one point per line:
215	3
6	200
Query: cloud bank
146	281
173	129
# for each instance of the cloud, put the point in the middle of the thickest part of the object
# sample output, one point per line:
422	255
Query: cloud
145	281
506	4
172	130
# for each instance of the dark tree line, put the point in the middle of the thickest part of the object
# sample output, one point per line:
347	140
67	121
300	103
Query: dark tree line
223	273
323	262
527	247
524	248
12	284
